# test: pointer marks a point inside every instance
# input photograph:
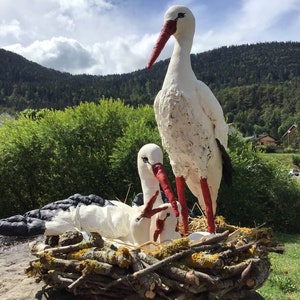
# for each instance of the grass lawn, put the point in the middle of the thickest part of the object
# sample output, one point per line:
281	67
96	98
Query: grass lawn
283	159
284	280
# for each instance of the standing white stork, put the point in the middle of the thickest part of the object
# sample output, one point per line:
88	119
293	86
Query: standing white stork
190	120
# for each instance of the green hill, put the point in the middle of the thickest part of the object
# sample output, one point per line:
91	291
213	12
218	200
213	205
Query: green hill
257	85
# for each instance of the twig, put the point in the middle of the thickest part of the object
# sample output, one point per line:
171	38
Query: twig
183	276
72	287
147	282
151	268
233	251
69	248
129	188
234	270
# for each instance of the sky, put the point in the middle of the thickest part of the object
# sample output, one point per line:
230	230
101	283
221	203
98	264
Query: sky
101	37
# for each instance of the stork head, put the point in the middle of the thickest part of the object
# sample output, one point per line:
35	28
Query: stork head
179	20
149	155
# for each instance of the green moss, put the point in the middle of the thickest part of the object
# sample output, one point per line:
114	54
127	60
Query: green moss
172	248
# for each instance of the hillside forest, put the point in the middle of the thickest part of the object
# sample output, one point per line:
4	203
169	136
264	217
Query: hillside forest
257	85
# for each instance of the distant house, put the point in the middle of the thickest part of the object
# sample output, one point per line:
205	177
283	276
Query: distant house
265	140
257	140
261	140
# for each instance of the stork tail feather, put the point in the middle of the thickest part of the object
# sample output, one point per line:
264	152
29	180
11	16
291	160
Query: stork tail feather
227	165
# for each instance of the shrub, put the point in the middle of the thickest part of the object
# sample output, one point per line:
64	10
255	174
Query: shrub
289	150
64	152
261	192
296	160
270	149
123	159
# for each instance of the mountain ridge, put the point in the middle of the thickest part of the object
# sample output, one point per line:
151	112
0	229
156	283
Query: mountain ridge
251	79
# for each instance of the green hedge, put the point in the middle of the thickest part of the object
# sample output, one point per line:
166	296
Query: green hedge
49	155
71	151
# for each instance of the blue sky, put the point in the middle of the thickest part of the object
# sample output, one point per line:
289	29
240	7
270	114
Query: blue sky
116	36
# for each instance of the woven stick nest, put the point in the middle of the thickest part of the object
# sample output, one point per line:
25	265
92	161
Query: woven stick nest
222	266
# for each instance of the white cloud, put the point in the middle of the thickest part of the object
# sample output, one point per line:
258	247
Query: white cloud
81	8
118	55
254	21
58	53
114	36
124	54
259	16
11	28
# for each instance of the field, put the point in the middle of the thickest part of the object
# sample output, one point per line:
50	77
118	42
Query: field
285	160
284	280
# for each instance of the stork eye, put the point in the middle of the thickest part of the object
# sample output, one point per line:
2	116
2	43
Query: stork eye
179	16
145	160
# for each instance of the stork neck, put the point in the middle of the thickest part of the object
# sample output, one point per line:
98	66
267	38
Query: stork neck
149	188
180	68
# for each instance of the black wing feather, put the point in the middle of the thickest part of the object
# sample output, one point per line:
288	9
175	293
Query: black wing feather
227	165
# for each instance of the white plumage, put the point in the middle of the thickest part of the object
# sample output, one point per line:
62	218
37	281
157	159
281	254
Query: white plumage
189	118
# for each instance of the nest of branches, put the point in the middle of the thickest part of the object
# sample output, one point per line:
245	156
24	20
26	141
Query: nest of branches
223	266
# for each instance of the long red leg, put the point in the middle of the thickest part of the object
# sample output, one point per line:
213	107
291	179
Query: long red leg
180	183
208	206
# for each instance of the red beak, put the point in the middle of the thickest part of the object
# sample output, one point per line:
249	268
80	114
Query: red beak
160	224
168	29
162	177
149	211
